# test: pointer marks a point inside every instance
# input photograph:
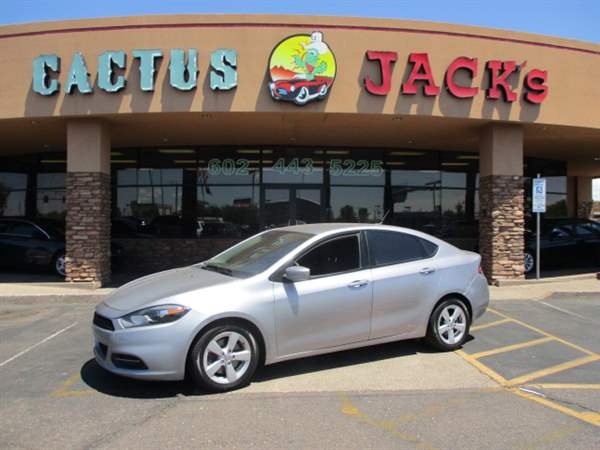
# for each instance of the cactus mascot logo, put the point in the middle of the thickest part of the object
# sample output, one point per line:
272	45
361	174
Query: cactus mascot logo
302	69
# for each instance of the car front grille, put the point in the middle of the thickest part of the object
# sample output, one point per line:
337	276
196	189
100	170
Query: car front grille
103	322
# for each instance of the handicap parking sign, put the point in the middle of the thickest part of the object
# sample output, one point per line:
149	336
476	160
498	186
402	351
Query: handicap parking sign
539	195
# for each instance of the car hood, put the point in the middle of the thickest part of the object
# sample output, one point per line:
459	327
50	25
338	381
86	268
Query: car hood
149	290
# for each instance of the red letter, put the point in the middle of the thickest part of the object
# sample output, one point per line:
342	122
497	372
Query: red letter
463	63
386	59
421	71
499	80
534	81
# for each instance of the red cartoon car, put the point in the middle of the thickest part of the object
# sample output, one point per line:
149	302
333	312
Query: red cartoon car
299	90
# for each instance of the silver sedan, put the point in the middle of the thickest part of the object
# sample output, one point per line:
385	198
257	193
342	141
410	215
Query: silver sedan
288	293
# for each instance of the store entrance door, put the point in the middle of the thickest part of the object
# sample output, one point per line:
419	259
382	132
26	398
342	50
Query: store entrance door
291	204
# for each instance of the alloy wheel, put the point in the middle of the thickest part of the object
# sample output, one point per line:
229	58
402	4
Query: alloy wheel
227	357
529	262
60	265
452	324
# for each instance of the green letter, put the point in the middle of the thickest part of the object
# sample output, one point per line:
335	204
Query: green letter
106	62
147	58
78	75
41	64
177	69
223	75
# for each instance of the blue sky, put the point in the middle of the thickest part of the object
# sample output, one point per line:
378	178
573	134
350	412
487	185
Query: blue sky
577	19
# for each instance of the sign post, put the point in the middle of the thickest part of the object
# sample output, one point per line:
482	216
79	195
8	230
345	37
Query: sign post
538	207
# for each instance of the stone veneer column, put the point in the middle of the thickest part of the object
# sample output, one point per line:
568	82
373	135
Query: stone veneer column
585	203
501	217
88	202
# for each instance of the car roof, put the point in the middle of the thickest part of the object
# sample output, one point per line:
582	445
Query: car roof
330	228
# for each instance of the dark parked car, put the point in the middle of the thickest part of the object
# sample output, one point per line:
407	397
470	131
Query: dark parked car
37	243
572	242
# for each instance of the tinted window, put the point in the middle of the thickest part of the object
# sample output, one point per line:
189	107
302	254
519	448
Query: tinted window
335	256
24	229
4	227
585	230
389	247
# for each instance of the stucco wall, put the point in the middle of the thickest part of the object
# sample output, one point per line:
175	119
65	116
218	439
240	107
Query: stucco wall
573	67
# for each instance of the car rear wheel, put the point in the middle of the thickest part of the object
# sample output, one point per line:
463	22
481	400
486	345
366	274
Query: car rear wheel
448	325
224	358
529	262
59	265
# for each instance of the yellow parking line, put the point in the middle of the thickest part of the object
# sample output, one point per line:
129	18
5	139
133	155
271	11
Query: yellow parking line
552	370
545	333
349	409
589	417
564	386
482	368
510	348
64	392
490	324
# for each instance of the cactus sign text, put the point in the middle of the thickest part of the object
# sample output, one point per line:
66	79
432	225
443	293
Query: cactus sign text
112	65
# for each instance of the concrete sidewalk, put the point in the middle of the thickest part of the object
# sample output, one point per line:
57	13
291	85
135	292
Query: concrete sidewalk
544	288
525	290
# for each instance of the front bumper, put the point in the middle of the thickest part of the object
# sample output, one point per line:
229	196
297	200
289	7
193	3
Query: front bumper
162	348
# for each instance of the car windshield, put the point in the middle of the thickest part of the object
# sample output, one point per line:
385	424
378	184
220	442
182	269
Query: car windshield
255	254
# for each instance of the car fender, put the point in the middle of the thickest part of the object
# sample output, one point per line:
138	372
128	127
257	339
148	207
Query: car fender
267	332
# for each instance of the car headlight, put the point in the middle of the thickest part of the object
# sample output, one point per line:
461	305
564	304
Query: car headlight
154	315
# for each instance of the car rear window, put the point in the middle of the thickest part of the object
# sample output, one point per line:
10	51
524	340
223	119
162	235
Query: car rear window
391	247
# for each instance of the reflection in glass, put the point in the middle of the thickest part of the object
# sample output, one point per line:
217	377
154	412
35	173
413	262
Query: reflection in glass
416	208
356	204
227	211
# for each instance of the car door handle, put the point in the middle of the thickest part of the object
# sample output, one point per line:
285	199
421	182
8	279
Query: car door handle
358	283
427	271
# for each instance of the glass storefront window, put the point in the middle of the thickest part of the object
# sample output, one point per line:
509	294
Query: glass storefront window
356	204
291	165
229	166
356	167
12	193
556	205
227	211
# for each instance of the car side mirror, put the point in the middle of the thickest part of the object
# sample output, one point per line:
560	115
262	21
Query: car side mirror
296	273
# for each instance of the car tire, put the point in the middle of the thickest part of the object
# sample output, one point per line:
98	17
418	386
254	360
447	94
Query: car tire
59	266
217	366
449	325
302	97
528	262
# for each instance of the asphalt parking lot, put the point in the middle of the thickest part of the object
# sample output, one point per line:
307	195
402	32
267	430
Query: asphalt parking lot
528	378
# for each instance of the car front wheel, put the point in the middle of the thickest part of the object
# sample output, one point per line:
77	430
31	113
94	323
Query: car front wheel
449	325
224	358
59	265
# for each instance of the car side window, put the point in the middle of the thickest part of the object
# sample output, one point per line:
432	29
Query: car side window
584	230
334	256
4	227
24	230
391	247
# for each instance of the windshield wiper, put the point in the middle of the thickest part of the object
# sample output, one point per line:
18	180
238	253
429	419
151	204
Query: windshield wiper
219	269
